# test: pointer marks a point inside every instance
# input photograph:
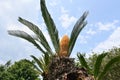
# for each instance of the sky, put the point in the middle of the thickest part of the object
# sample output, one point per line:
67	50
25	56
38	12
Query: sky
100	34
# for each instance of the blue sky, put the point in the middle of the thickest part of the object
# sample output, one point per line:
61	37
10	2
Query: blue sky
101	33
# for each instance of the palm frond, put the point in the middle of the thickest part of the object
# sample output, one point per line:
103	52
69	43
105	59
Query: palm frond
52	30
39	63
108	66
42	62
80	24
98	64
46	58
25	36
38	32
35	66
83	62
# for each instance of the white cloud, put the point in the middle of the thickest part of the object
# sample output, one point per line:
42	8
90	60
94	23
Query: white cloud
11	9
91	32
83	39
66	19
87	35
113	40
107	26
54	3
63	10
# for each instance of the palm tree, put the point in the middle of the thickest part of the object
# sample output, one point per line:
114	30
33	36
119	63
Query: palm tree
50	59
96	71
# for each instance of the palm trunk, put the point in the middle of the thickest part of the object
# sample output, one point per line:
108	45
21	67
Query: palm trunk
63	68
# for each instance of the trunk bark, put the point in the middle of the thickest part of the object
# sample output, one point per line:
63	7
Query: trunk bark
63	68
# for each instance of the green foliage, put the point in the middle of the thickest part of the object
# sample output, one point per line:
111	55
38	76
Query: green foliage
108	66
114	70
4	74
5	66
52	30
40	36
21	70
83	62
25	36
80	24
2	68
103	64
98	64
42	63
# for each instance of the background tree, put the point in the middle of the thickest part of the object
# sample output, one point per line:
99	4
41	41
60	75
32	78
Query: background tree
21	70
4	74
114	72
104	66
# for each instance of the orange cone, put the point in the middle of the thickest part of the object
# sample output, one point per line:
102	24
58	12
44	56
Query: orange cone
64	43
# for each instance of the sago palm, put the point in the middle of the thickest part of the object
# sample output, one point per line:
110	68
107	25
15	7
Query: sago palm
96	71
62	48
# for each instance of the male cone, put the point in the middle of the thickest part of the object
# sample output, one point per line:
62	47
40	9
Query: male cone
64	43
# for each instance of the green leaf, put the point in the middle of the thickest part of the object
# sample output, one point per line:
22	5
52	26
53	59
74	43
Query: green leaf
108	66
25	36
46	58
52	30
80	24
39	63
8	63
83	62
35	66
38	32
98	64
